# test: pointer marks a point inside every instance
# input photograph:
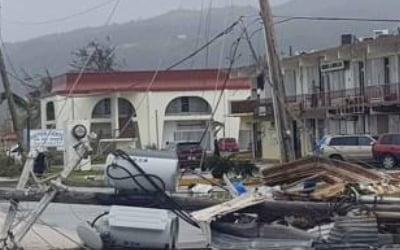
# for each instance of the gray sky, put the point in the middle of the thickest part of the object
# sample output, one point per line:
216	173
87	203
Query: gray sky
25	19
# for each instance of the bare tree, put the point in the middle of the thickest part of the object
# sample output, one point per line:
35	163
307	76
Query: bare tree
95	57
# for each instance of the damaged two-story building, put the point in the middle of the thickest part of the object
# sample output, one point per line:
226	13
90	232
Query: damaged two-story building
351	89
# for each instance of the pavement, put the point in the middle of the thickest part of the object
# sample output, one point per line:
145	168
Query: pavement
57	227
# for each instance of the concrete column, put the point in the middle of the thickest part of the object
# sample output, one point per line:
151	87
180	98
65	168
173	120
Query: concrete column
114	115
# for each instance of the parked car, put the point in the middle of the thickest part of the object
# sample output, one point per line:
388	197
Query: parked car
386	150
228	145
346	147
189	153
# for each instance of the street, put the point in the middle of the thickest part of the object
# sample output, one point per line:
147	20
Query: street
57	227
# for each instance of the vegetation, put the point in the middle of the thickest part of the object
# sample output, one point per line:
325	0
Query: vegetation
99	159
8	168
95	57
220	165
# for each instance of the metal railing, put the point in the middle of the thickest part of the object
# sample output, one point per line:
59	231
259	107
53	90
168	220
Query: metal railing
383	93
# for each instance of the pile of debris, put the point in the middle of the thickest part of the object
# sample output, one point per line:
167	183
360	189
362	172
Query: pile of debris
324	179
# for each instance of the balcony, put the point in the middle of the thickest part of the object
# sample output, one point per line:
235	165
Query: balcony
244	107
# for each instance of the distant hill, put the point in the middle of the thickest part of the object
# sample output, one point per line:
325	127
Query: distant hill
158	42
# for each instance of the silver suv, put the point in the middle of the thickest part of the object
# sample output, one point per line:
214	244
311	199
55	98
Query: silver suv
346	147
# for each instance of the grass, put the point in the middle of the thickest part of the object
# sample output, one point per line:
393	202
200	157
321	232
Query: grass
79	178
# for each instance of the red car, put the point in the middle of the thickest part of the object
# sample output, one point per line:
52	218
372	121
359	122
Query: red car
386	150
228	145
189	154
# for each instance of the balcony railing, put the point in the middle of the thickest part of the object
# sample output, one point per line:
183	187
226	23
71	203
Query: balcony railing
384	93
370	95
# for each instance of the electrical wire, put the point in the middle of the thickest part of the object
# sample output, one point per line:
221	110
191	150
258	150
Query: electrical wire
80	75
65	18
198	30
207	31
83	68
175	207
234	49
204	46
330	18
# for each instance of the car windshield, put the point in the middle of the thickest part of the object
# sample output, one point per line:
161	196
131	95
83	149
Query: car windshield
322	141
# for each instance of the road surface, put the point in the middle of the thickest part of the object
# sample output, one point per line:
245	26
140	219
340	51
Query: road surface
56	229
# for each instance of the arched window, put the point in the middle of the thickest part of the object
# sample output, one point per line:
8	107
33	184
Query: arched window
126	113
102	121
50	113
188	105
102	109
125	108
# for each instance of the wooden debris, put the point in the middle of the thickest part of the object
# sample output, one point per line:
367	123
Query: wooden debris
329	192
333	176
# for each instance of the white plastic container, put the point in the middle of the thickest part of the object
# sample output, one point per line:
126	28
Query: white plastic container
143	227
158	163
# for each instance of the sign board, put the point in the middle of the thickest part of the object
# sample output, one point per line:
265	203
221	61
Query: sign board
47	138
332	66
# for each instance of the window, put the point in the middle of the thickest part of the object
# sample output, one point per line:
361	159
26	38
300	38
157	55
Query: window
102	109
125	109
127	127
387	139
364	141
390	139
50	114
185	104
386	64
396	139
102	129
344	141
188	106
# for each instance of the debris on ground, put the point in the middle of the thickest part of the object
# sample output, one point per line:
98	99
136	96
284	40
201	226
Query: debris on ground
325	179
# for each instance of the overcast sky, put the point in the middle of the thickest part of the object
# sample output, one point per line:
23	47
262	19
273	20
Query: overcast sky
25	19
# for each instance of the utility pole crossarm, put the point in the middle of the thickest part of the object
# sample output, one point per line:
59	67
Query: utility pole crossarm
282	121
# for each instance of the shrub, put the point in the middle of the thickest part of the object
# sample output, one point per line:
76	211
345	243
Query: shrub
55	158
8	168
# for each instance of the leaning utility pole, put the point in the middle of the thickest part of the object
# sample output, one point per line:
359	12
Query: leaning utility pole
10	98
282	122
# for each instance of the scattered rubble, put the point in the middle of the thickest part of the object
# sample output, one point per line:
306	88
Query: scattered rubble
324	179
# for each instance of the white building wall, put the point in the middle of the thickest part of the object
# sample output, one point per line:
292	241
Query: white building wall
150	109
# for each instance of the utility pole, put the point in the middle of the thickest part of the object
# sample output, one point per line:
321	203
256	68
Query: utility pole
10	98
282	122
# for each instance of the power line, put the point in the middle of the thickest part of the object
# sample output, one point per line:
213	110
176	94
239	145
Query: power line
65	18
330	18
80	75
204	46
233	52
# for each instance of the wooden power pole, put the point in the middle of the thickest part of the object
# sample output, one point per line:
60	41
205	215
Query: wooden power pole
282	121
10	98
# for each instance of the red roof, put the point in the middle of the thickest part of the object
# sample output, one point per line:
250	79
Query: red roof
176	80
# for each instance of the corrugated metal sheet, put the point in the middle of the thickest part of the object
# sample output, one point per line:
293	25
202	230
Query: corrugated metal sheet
352	232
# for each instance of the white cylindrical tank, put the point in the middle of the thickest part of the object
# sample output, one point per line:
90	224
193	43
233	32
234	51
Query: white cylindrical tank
155	163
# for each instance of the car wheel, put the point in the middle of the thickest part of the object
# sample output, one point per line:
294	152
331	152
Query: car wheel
337	157
388	162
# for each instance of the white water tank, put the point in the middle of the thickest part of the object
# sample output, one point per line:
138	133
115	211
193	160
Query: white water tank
131	228
155	163
143	227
